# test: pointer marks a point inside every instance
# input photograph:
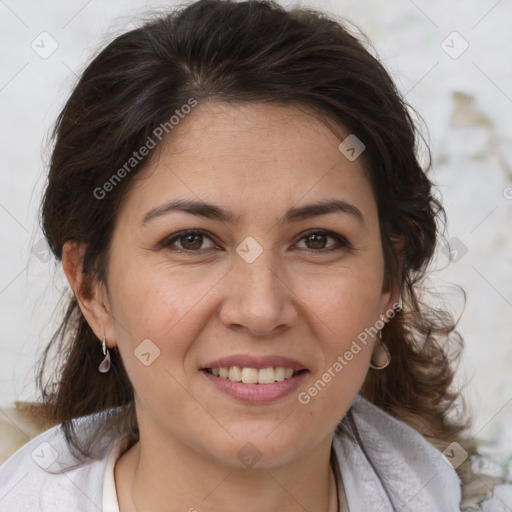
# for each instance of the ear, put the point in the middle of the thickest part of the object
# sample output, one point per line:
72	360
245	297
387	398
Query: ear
392	292
90	293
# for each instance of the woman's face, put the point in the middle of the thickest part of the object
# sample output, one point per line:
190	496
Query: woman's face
268	281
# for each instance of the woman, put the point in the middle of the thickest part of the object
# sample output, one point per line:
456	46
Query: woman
236	201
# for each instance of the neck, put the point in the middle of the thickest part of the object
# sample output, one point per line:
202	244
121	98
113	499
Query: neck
170	476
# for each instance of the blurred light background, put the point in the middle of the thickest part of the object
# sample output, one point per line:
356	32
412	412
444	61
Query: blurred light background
451	60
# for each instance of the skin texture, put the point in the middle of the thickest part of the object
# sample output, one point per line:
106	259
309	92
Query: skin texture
295	299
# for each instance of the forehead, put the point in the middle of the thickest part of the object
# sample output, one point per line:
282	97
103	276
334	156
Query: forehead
252	158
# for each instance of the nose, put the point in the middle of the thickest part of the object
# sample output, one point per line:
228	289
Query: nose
258	298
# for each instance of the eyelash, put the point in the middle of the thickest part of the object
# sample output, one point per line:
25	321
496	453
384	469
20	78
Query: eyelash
342	241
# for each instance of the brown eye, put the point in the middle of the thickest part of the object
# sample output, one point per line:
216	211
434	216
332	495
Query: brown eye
191	242
318	240
188	241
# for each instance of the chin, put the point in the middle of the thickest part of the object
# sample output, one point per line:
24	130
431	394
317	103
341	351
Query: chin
259	450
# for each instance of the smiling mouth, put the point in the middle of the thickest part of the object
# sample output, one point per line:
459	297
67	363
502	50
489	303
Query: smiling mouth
246	375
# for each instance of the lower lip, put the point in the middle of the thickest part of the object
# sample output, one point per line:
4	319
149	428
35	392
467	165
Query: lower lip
256	393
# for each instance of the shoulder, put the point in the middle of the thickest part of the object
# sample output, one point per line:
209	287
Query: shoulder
394	462
403	466
45	475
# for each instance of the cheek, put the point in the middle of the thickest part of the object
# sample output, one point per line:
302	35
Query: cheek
346	352
155	299
156	323
347	305
167	307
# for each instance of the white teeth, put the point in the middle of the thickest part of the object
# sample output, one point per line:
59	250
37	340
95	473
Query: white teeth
253	375
249	375
235	373
280	373
267	375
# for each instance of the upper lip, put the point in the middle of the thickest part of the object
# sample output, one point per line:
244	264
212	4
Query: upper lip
249	361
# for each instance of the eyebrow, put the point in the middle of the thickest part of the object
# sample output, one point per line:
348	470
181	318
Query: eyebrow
211	211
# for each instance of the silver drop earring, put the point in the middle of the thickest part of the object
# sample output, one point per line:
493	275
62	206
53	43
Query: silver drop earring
381	355
104	367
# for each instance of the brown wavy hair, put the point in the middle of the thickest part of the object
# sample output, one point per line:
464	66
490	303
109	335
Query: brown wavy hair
253	51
